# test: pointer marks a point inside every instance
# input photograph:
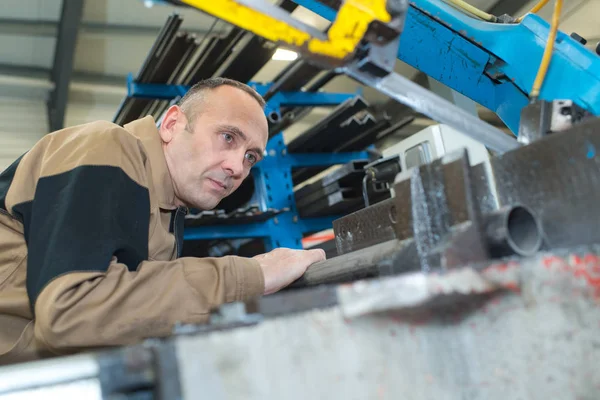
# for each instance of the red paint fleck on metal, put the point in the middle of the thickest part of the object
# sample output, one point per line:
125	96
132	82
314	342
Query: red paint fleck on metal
513	287
586	267
502	267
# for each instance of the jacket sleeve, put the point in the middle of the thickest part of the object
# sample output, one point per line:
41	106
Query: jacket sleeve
89	280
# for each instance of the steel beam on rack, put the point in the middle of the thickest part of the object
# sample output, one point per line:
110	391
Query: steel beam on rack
308	99
342	113
154	90
290	99
323	159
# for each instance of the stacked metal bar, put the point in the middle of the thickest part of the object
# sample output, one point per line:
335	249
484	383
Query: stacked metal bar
181	58
339	192
243	215
348	128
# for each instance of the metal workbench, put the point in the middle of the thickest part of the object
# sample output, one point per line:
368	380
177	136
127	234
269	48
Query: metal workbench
523	329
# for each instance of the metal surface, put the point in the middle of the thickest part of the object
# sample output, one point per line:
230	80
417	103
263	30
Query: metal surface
540	118
243	215
62	67
47	372
249	60
524	330
557	178
513	230
456	214
81	389
331	122
428	103
357	265
214	55
293	78
366	227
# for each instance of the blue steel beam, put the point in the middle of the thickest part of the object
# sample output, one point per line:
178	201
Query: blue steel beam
256	230
284	99
493	64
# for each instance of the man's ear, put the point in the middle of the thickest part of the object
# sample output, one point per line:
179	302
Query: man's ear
173	121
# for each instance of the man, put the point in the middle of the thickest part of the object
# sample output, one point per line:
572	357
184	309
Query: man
91	225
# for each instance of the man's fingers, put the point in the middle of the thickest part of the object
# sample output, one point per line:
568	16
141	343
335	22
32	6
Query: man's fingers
316	255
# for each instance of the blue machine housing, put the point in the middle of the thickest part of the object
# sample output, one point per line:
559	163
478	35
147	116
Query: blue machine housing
493	64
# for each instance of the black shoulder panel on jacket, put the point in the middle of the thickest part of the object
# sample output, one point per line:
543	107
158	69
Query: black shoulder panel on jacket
79	220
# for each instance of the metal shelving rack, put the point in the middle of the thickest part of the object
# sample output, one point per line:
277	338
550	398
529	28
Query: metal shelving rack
272	176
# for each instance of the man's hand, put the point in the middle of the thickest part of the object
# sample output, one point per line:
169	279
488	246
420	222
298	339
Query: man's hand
283	266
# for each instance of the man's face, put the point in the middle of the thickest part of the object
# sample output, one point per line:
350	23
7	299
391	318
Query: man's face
228	138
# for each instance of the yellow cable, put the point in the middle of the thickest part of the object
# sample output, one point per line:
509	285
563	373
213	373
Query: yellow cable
473	10
534	9
541	75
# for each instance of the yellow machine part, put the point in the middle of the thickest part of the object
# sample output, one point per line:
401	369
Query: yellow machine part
344	35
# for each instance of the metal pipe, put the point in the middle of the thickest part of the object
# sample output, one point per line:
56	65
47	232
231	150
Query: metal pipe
512	230
359	264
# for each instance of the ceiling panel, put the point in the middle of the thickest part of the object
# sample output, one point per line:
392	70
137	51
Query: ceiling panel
31	9
33	51
111	55
134	12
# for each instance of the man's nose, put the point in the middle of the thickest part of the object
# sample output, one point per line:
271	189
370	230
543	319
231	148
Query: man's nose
234	165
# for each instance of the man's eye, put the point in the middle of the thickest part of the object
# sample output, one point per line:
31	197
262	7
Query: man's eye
228	138
251	158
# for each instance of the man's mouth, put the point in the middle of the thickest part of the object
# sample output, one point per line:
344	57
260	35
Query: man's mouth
218	184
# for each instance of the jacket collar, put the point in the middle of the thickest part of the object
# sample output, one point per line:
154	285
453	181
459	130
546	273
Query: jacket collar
145	129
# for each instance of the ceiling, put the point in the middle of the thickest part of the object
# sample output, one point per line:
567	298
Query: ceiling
114	37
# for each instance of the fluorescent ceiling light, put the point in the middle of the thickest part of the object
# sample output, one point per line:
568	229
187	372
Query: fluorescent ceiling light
284	55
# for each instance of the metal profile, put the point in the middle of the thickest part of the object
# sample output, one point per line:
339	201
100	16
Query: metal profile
249	60
216	52
342	113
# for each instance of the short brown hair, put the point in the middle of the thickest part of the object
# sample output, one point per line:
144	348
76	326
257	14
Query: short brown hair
196	92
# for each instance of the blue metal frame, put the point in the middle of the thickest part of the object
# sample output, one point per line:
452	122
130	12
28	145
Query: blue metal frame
493	64
273	184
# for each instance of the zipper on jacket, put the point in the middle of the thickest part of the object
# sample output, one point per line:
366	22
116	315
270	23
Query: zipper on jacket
178	220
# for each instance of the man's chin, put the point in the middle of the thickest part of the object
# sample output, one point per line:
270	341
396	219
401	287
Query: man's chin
206	205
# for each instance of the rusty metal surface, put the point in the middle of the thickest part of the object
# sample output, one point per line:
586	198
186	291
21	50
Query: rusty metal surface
557	178
524	329
366	227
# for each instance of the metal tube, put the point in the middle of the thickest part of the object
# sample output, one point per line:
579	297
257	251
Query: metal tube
359	264
426	102
512	230
48	372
